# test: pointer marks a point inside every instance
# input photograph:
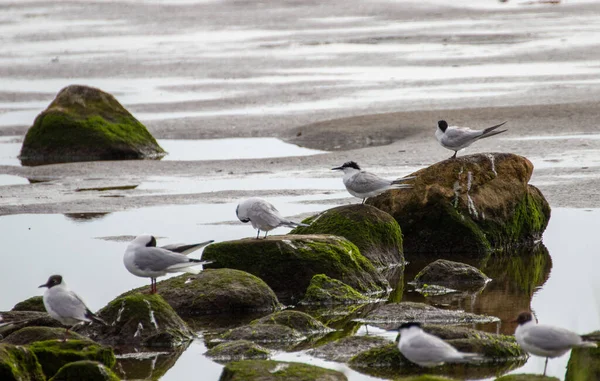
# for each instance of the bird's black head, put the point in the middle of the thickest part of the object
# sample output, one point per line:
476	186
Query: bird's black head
237	213
54	280
409	324
442	124
348	164
524	317
151	242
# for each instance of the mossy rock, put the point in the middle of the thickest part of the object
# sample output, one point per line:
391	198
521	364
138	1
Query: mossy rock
217	291
83	124
531	377
287	263
584	363
13	321
263	333
138	319
345	348
425	377
376	234
35	303
53	354
391	315
85	370
472	204
28	335
324	290
455	275
266	370
297	320
147	365
238	350
19	363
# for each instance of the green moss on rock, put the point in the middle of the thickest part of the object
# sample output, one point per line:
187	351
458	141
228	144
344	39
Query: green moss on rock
53	354
35	303
264	333
29	335
265	370
85	370
297	320
288	263
529	377
19	364
324	290
345	348
376	234
238	350
584	364
471	204
84	123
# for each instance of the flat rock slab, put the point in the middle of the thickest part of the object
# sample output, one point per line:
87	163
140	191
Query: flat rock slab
266	370
238	350
300	321
344	349
28	335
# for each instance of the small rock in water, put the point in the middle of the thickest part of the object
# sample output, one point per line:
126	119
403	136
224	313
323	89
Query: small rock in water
85	370
450	274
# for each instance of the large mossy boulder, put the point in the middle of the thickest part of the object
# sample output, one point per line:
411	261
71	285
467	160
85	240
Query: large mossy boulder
85	370
28	335
450	274
218	291
297	320
376	234
35	303
471	204
140	320
584	363
287	263
19	364
324	290
238	350
54	354
83	124
266	370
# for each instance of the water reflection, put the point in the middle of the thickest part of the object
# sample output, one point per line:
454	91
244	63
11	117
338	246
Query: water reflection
85	217
146	365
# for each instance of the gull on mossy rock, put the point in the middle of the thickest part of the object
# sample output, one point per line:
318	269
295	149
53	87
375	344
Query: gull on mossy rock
262	215
456	138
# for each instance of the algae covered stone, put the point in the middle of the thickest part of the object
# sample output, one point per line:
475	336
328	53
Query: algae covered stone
324	290
85	370
138	319
455	275
28	335
287	263
19	364
531	377
471	204
345	348
263	333
218	291
238	350
584	363
376	234
297	320
82	124
266	370
35	303
54	354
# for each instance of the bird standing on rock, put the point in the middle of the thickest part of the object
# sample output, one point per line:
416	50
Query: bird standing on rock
262	215
66	306
363	184
142	258
545	340
456	138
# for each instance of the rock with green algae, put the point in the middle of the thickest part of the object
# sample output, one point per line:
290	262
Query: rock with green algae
376	234
83	124
345	348
54	354
584	363
35	303
455	275
471	204
287	263
324	290
137	319
264	334
238	350
266	370
28	335
300	321
531	377
217	291
425	377
19	363
85	370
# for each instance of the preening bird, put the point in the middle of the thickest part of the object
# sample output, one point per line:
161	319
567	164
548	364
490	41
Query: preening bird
66	306
262	215
142	258
456	138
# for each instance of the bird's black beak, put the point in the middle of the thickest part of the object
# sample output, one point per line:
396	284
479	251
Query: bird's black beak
336	168
43	285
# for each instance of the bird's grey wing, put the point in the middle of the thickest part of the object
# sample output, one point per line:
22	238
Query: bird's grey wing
185	249
157	259
68	304
266	212
551	338
365	182
458	136
428	348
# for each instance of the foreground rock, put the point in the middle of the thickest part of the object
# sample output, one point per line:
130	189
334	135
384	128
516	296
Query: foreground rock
376	234
140	320
324	290
265	370
53	354
13	321
84	124
288	263
35	303
19	363
345	348
584	363
390	316
527	377
85	370
454	275
238	350
29	335
299	321
471	204
215	291
264	334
